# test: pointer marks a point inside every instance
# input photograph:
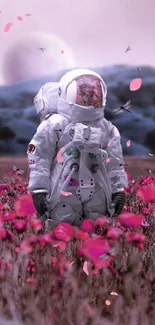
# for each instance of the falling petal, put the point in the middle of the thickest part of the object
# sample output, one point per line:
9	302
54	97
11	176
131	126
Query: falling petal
107	160
128	143
59	156
7	27
113	293
20	18
107	302
85	267
1	11
27	15
151	154
65	193
110	142
135	84
62	51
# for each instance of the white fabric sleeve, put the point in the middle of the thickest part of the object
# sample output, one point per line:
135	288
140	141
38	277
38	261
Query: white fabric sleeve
41	151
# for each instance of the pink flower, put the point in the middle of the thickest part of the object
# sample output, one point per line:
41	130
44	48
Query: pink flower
9	236
35	224
20	225
146	193
129	177
10	216
63	231
93	248
24	206
25	247
4	186
102	221
129	219
45	239
3	233
80	234
54	261
136	238
60	244
31	266
105	262
146	211
114	233
87	225
31	281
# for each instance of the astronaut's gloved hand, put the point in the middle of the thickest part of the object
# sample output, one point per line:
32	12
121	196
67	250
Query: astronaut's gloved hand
40	202
118	201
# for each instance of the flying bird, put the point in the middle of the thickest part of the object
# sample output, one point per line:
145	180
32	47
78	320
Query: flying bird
18	170
138	69
128	49
124	107
42	49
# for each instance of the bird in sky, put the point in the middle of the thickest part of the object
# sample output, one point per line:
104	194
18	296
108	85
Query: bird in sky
124	107
42	49
128	49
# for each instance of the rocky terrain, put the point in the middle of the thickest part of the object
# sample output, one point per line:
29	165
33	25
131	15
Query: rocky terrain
18	121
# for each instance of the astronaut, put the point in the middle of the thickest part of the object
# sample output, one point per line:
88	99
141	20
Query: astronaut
75	157
46	100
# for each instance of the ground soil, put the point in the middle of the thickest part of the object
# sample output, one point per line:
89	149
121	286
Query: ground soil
136	166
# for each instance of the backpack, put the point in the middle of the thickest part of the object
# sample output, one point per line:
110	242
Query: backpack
86	145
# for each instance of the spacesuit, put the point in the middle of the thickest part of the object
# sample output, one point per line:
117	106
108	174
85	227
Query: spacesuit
75	157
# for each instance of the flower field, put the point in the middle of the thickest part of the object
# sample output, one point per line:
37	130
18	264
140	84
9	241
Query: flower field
100	273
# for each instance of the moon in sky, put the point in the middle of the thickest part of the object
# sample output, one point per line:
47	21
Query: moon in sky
35	55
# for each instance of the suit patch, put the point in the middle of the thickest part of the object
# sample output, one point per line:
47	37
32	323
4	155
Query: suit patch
31	148
32	162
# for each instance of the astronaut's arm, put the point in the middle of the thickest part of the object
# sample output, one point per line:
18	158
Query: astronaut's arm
115	164
41	151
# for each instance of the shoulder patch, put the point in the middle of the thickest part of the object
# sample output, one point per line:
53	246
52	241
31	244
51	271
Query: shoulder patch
31	148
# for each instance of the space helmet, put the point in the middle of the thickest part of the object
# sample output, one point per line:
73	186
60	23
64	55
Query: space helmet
46	100
84	88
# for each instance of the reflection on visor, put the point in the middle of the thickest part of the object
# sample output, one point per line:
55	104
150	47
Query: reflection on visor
89	91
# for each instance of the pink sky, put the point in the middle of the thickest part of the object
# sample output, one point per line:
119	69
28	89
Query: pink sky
98	31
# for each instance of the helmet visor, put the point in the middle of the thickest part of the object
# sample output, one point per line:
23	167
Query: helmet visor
89	91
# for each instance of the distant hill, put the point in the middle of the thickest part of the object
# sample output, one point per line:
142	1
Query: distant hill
18	121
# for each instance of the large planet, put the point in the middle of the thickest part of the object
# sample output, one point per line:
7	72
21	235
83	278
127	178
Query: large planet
35	55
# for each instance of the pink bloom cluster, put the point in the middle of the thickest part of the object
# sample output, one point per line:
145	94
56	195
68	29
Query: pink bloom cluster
96	241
